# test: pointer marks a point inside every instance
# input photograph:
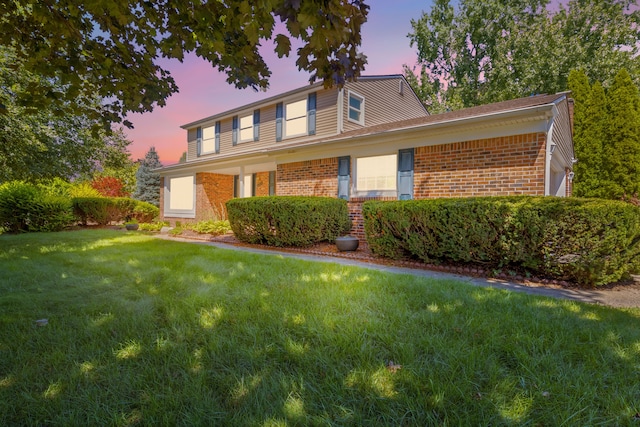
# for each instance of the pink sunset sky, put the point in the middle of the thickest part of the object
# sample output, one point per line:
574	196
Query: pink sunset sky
204	90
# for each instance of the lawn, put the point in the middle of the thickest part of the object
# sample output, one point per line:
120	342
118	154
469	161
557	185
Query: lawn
143	331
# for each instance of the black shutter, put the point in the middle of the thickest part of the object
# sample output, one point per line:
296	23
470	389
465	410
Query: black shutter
234	136
405	174
236	185
217	137
279	114
344	172
198	141
256	125
311	114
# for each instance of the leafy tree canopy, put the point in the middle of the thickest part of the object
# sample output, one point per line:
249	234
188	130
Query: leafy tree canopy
39	143
111	49
491	50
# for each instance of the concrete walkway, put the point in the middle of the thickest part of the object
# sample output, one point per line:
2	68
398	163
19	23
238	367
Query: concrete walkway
621	297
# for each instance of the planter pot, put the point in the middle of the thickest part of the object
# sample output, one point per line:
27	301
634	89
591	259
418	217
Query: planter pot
132	227
347	243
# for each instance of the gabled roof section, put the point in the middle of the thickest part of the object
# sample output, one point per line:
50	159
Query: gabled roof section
275	98
465	113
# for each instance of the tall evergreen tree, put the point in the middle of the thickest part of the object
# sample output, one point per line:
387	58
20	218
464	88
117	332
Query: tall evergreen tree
148	181
588	134
622	146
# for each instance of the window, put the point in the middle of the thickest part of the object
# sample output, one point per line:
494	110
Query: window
208	140
180	196
376	174
296	118
246	128
356	108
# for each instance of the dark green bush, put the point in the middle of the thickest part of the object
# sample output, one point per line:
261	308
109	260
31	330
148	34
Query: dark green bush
588	241
103	210
27	208
288	220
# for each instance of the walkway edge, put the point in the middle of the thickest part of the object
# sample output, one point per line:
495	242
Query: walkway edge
625	298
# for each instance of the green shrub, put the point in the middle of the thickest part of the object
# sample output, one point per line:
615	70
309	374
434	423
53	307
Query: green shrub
103	210
153	226
28	208
214	228
145	211
587	241
288	220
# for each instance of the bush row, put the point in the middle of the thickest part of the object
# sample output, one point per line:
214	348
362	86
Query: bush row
288	220
105	210
26	207
588	241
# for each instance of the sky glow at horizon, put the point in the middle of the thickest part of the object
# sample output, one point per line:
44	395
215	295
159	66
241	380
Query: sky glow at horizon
205	92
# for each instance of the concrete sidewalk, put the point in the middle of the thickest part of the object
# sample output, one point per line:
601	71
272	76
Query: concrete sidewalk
621	297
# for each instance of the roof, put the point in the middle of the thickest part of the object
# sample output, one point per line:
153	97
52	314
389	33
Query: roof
274	98
465	113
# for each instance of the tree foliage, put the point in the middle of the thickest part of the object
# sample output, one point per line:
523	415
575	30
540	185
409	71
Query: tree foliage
40	143
606	137
492	50
112	49
622	143
109	186
147	180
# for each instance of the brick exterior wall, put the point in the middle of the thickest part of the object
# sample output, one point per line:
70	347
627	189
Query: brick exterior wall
308	178
262	184
212	192
488	167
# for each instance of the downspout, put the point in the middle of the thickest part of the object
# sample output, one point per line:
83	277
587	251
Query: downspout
547	168
547	173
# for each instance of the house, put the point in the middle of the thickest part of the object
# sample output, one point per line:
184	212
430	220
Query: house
372	139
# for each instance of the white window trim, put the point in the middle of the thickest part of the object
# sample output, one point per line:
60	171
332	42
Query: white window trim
284	118
202	152
240	128
355	192
356	95
178	213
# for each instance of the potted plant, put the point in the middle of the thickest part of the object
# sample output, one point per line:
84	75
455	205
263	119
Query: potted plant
347	243
132	224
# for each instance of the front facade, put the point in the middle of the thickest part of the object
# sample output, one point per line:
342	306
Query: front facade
372	139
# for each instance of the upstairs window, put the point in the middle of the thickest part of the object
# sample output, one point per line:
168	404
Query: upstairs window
246	128
208	140
295	118
356	108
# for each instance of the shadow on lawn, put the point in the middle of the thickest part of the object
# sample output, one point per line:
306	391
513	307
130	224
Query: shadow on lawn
182	334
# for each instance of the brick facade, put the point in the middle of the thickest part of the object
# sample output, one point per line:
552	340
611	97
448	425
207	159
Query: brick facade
212	192
308	178
262	183
488	167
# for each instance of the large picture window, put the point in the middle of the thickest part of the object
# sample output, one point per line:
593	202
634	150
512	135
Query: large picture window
376	174
180	196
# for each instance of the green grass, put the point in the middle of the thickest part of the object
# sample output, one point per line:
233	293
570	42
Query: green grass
144	331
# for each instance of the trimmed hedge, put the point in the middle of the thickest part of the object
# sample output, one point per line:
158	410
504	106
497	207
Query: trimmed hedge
587	241
105	210
25	207
288	220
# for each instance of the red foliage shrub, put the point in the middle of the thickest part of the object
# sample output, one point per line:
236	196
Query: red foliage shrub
109	186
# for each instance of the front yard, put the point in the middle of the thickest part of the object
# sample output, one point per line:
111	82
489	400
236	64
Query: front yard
145	331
